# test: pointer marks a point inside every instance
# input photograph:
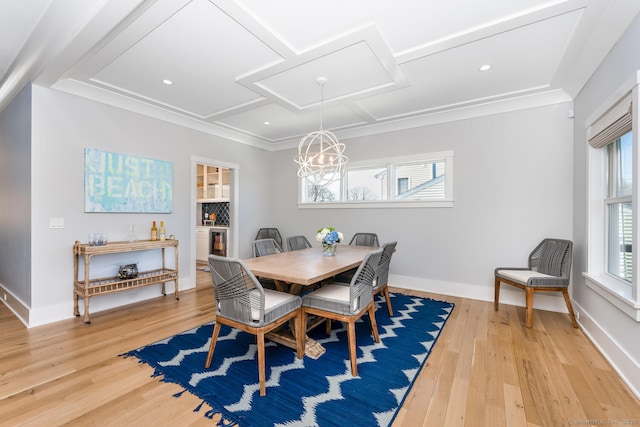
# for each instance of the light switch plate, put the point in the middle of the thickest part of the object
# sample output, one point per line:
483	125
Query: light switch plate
56	222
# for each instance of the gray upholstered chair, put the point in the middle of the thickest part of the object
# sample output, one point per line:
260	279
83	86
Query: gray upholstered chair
365	239
242	303
269	233
297	242
347	303
382	274
549	270
358	239
264	247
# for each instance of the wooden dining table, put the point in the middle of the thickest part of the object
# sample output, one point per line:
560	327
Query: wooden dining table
294	270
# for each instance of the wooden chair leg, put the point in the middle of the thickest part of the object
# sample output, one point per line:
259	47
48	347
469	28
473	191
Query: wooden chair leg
351	332
301	334
304	319
374	325
529	305
261	364
212	346
388	298
567	300
496	297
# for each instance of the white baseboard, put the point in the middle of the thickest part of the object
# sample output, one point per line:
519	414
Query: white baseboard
50	313
552	301
39	316
627	368
14	304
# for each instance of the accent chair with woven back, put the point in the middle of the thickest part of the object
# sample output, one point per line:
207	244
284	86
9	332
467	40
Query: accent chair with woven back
549	270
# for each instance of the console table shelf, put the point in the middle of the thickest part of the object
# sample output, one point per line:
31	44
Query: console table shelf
86	287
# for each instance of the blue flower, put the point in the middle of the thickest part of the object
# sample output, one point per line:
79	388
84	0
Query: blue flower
329	236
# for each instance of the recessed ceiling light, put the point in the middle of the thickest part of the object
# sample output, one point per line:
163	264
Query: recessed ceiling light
267	123
167	82
485	67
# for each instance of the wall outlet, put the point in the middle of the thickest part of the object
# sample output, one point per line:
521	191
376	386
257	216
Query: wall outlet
4	297
577	315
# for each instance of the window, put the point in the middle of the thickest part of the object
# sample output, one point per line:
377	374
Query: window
318	193
428	179
403	184
367	183
619	223
612	187
416	181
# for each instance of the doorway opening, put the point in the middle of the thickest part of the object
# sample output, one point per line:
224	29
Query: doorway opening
214	213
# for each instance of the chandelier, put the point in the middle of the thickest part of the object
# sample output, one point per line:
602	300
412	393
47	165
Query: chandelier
321	158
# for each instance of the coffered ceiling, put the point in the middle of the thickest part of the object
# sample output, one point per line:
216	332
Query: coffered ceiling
237	65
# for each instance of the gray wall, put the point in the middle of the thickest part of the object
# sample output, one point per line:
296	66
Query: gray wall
512	187
15	198
63	125
615	333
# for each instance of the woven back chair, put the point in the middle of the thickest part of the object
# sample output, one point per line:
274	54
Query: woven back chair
297	242
266	246
347	303
380	284
365	239
242	303
549	269
269	233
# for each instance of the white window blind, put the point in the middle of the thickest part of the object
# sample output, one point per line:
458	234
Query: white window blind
612	125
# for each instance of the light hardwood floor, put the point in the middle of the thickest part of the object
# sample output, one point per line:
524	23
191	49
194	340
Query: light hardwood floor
486	369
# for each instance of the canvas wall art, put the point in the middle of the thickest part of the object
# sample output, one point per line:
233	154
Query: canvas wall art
115	182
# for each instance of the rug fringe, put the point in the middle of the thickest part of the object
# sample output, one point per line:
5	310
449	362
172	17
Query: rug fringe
222	423
197	408
180	393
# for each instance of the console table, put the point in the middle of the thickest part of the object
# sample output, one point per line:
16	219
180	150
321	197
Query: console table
86	287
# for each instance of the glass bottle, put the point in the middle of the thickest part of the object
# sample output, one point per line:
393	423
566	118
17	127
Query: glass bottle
161	231
132	233
154	231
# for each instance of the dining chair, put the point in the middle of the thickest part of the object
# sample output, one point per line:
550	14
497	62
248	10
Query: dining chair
297	242
242	303
365	239
264	247
347	303
358	239
380	283
549	270
269	233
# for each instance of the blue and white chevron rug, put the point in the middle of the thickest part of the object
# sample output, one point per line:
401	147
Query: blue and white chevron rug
306	392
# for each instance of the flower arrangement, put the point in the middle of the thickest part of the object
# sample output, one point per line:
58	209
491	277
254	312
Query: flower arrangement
329	237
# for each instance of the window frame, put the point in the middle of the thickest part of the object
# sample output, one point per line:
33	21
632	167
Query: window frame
446	202
614	289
